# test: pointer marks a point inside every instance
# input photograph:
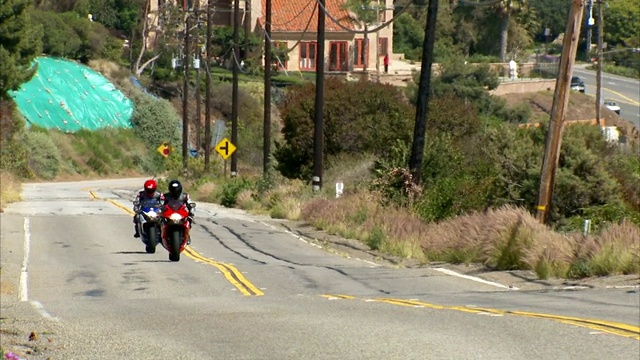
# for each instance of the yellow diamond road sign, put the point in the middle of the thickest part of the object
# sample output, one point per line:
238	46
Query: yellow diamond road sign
225	148
165	149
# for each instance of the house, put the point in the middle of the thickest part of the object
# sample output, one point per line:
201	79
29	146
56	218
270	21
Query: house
294	29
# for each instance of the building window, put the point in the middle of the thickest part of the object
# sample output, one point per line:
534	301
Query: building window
360	57
308	55
338	56
383	46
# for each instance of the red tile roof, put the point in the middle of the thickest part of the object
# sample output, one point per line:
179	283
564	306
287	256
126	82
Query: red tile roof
293	16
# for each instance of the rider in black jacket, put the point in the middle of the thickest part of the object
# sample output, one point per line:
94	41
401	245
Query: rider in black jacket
175	193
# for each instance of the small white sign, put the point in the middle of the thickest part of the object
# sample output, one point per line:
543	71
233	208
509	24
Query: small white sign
339	189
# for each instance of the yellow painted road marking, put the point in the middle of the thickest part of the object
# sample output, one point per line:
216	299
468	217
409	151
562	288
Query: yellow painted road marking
633	102
610	327
233	275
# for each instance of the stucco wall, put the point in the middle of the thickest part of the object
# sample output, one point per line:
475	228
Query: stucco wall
524	86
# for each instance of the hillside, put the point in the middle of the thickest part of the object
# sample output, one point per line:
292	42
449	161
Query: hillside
581	107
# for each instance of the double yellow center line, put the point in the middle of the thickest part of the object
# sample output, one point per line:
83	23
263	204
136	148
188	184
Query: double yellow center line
233	275
610	327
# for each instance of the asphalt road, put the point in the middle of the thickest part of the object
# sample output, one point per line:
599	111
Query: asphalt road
625	91
247	290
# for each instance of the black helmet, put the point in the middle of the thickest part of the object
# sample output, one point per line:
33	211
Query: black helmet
175	188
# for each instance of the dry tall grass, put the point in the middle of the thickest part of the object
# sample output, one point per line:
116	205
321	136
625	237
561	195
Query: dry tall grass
508	238
10	189
615	251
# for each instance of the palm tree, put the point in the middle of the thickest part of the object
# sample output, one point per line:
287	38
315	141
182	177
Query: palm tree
366	13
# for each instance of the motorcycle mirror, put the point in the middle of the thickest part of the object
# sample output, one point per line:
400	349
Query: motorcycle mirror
136	203
193	205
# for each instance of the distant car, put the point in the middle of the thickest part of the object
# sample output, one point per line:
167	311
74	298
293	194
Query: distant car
613	106
577	84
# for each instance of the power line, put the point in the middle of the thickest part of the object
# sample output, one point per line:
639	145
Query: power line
304	32
380	26
295	17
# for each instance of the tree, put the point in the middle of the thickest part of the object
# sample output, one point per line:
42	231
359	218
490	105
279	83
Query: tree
622	23
553	15
20	43
366	13
169	18
360	117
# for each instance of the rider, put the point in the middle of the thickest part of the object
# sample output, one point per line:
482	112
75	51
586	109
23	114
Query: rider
175	193
149	192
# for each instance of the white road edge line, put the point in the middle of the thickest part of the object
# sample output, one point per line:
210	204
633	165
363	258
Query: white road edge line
474	278
24	271
45	314
24	274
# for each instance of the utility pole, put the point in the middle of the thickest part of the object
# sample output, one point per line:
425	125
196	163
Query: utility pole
185	95
318	127
599	69
247	27
422	106
378	42
234	89
207	104
198	81
266	127
558	111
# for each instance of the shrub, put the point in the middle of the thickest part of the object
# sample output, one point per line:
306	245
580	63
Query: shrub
42	156
155	121
9	189
359	117
231	189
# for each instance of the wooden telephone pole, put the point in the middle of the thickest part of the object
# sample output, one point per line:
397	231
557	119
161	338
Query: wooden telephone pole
207	104
558	111
422	106
599	66
266	126
318	123
234	87
185	95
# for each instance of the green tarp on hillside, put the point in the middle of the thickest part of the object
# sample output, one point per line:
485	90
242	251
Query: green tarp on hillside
68	96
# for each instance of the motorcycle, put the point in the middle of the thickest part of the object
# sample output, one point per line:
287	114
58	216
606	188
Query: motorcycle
149	223
175	227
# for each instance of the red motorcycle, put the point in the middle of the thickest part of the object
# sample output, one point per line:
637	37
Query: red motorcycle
175	227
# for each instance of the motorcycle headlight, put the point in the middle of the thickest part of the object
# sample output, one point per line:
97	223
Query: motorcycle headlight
175	217
152	214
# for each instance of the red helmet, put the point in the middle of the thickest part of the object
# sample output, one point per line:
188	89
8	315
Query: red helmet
150	187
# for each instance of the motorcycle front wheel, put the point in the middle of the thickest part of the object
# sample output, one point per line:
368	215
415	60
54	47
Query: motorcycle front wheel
174	244
152	239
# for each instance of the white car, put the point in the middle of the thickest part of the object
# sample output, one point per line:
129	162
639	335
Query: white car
613	106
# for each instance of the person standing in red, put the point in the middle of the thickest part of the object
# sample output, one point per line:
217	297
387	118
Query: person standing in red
386	63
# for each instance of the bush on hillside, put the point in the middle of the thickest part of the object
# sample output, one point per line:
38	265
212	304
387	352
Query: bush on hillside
359	117
70	36
472	84
471	166
41	155
155	121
